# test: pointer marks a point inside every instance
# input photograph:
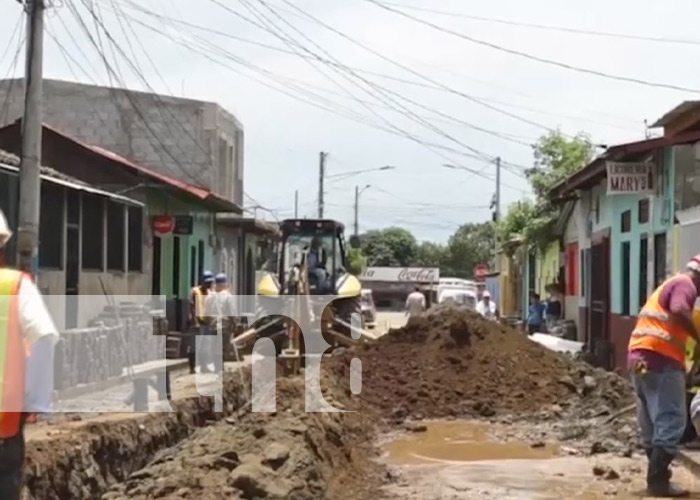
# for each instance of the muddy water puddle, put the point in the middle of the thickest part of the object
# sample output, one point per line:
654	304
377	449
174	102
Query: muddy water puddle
468	460
455	442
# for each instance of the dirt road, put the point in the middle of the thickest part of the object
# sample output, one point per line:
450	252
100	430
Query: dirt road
508	419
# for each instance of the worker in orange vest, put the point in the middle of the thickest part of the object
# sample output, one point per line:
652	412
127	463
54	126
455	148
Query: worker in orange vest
27	339
657	363
198	319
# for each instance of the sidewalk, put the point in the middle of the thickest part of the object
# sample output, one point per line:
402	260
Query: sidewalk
108	403
143	369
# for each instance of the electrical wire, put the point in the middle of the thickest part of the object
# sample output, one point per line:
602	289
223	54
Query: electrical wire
379	74
12	68
563	29
531	57
275	88
417	73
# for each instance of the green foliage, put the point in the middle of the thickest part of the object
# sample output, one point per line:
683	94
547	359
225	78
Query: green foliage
389	247
470	245
357	262
556	157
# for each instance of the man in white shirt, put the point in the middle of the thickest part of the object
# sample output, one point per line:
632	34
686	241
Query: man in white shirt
26	380
415	303
486	307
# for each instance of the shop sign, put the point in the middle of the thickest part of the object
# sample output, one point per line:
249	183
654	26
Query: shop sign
630	178
402	274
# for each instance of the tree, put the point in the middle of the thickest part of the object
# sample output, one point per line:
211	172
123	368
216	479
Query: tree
357	262
389	247
471	244
556	157
430	254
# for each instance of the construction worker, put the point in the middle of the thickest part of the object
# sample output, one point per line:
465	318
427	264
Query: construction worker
317	263
197	315
220	312
415	303
27	337
657	363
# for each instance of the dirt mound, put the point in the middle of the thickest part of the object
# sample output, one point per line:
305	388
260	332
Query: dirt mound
453	362
289	454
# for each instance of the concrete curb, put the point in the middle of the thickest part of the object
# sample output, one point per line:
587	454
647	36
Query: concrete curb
75	392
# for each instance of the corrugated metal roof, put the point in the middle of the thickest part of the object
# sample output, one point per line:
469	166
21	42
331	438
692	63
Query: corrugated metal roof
50	175
682	108
596	170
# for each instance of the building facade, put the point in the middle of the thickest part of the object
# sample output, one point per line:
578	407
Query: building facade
636	221
197	142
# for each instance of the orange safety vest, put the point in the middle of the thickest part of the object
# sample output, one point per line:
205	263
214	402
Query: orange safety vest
199	298
655	331
13	355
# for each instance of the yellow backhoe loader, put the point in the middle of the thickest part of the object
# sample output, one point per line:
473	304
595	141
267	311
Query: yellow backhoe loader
310	260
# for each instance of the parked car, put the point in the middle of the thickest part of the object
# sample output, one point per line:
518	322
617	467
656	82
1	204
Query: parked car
369	311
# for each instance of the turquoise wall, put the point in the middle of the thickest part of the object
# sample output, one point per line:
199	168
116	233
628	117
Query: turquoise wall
203	228
661	221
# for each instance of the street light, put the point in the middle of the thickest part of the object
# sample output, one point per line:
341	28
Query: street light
358	192
357	172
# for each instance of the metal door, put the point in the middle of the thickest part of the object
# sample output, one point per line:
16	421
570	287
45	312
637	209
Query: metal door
72	258
598	315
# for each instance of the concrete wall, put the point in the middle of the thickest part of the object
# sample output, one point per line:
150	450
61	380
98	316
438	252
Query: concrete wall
197	142
660	222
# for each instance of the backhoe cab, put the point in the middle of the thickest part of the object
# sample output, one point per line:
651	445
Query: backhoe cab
311	260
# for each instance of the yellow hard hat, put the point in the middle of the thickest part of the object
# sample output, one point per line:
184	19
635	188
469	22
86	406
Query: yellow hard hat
5	233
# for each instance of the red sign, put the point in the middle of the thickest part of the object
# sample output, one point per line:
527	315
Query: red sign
480	272
163	224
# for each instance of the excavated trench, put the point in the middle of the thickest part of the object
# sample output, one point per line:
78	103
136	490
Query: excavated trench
536	412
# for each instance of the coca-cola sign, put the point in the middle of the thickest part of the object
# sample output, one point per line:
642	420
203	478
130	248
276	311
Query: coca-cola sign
402	274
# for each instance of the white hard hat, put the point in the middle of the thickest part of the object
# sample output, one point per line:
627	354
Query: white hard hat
5	233
486	293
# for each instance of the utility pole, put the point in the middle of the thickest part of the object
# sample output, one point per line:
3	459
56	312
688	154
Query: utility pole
357	204
321	174
30	165
497	210
296	204
498	189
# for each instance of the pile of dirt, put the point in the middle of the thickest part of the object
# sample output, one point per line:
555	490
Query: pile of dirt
453	362
288	454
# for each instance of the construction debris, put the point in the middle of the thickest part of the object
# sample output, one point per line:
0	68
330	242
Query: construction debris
451	362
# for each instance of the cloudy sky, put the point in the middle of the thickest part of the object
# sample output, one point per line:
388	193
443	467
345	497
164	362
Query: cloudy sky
374	87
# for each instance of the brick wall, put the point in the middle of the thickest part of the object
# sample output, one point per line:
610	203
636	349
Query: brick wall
173	136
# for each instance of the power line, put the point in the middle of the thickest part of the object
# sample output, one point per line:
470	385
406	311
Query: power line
564	29
531	57
417	73
12	68
376	73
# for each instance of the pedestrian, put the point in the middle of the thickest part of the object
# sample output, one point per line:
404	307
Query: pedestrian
553	310
27	337
535	315
221	311
486	307
657	361
198	320
415	303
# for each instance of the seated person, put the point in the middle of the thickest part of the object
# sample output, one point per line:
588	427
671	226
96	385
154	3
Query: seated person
317	263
